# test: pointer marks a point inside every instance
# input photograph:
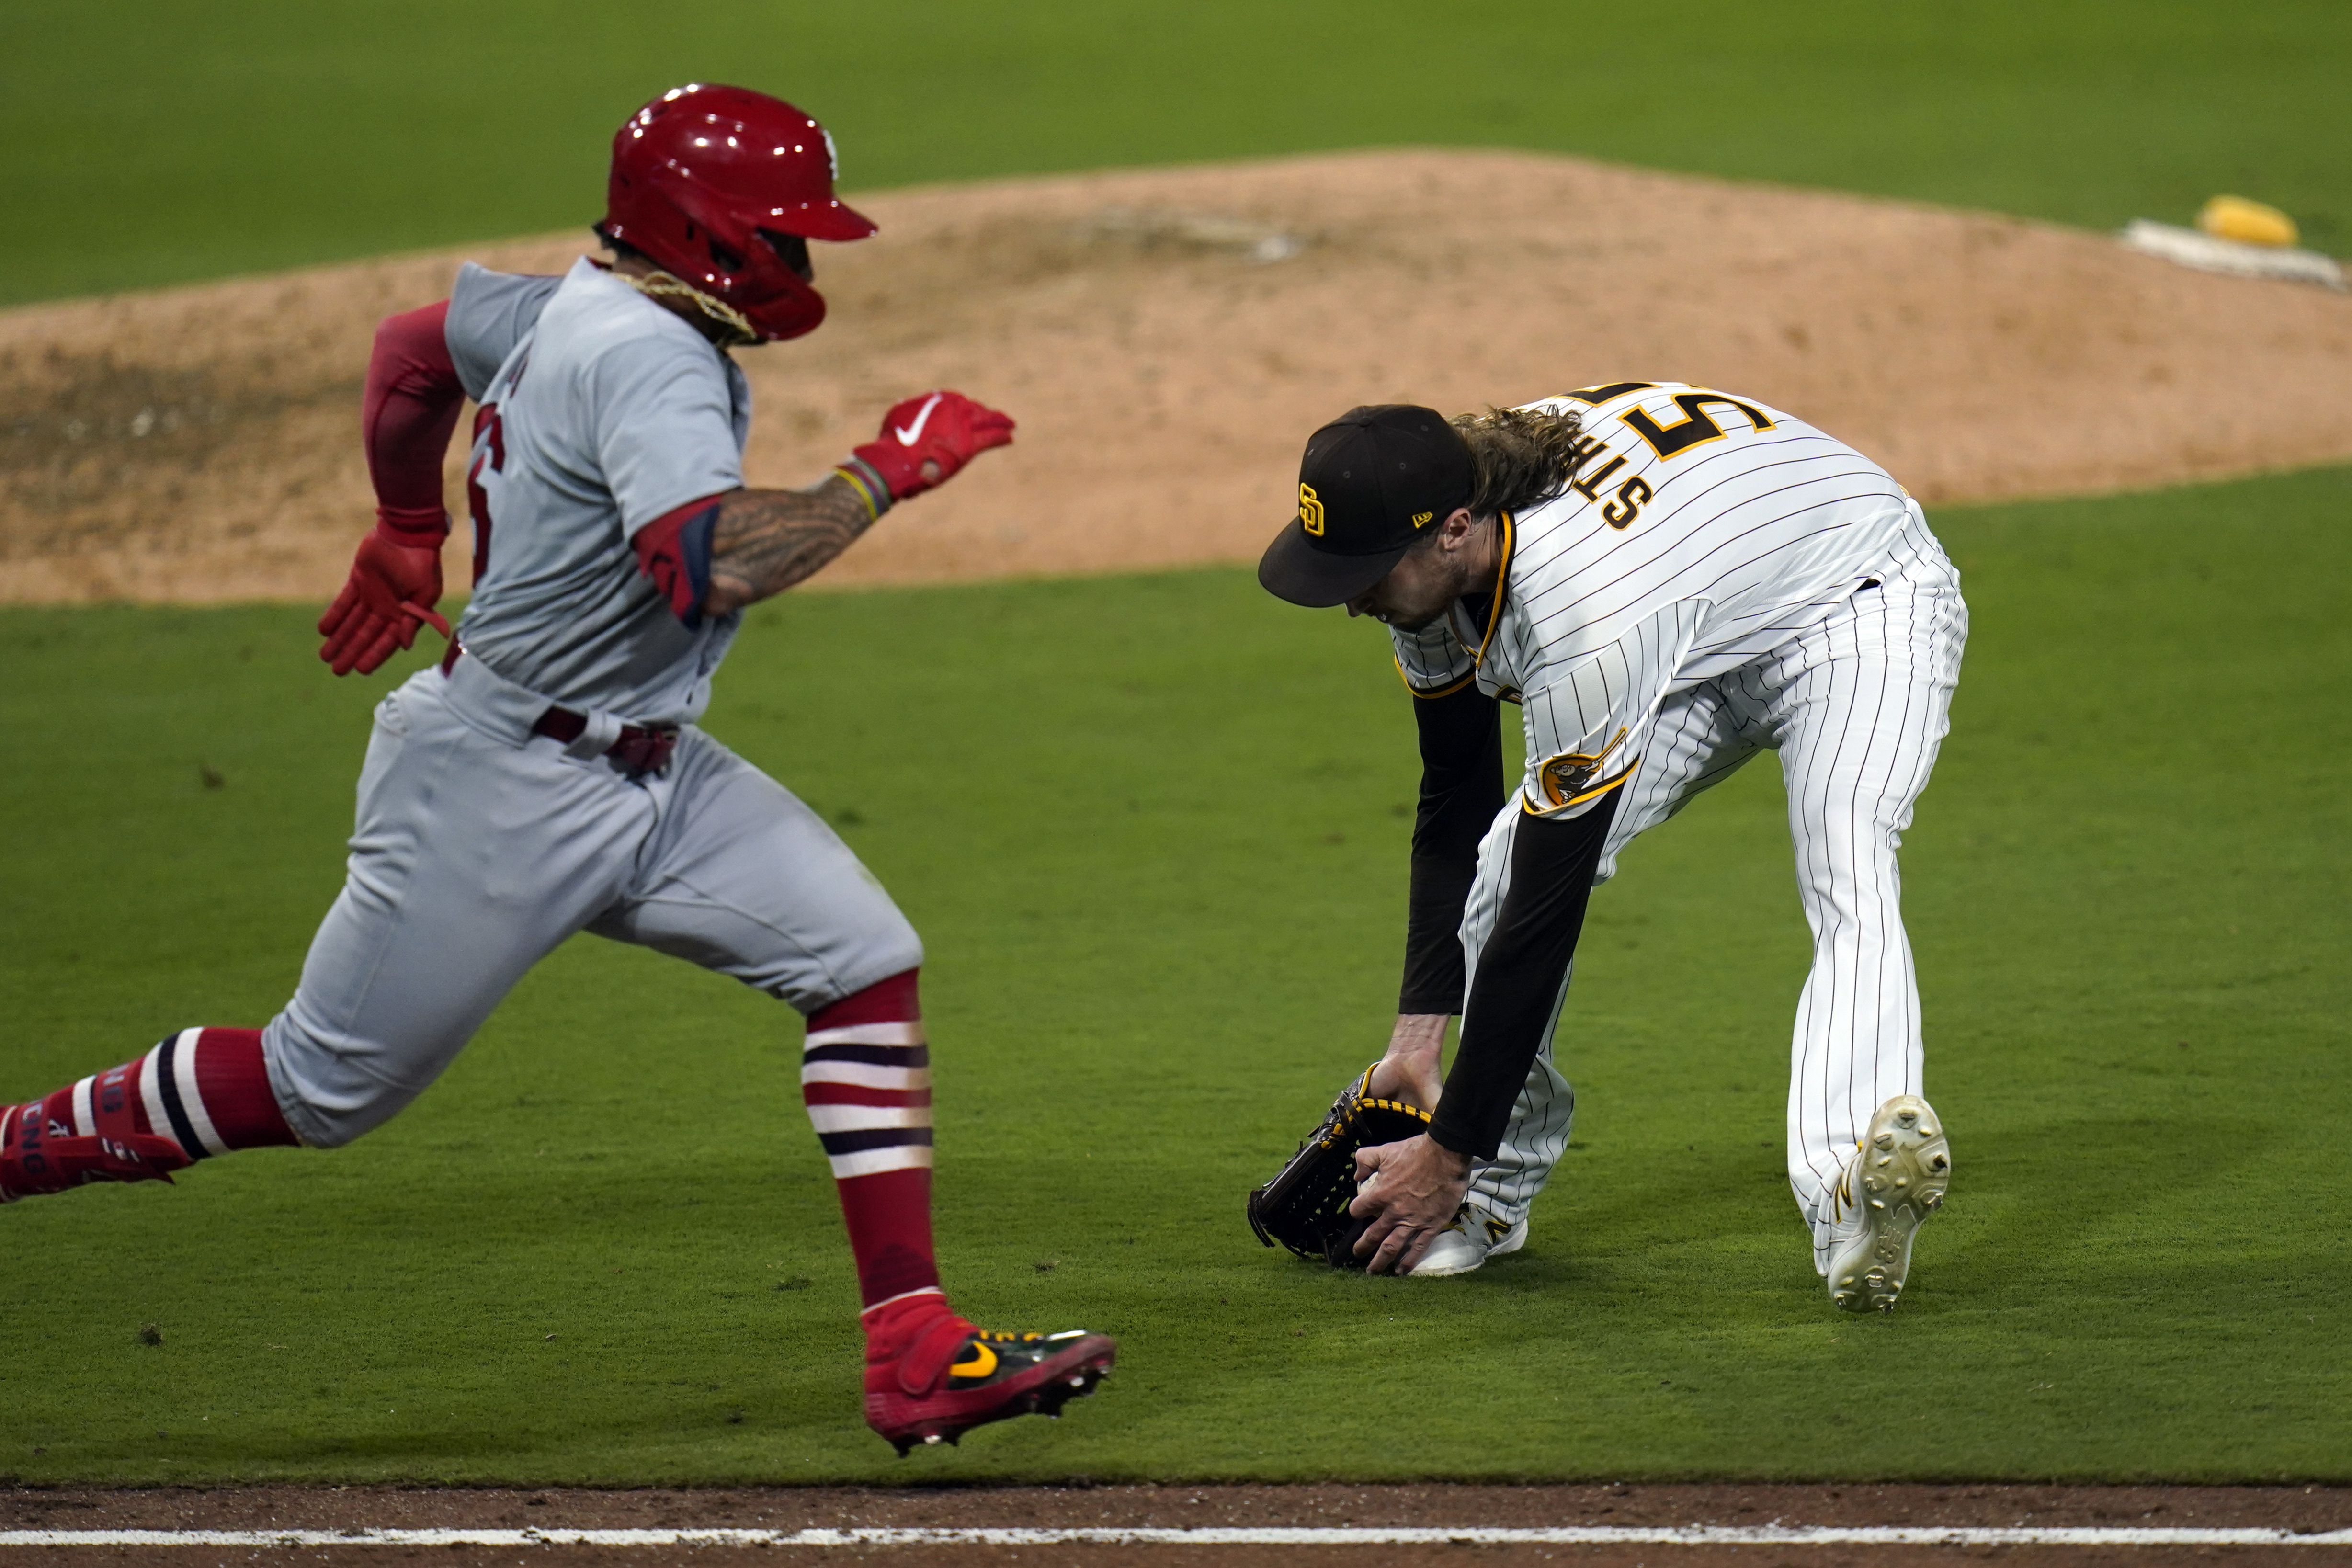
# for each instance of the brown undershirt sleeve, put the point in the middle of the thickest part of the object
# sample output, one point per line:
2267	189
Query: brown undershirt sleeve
1521	967
1460	791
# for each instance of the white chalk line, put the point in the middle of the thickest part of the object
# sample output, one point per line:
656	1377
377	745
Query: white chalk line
1565	1535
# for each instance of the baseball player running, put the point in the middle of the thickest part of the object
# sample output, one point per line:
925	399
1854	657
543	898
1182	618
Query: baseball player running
548	777
1666	580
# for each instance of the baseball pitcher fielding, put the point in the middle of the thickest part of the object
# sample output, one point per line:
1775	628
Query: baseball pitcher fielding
548	777
1666	580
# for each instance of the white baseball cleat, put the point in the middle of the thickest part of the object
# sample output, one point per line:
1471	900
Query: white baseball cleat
1469	1241
1896	1180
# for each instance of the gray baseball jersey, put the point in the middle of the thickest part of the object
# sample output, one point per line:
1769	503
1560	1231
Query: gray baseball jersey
604	412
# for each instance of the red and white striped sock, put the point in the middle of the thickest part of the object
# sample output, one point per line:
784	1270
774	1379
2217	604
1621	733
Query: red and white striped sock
866	1074
200	1092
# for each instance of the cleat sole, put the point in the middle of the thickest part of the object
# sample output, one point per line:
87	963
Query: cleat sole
1868	1273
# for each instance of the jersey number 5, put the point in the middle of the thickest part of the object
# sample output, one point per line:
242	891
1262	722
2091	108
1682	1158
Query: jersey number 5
1696	426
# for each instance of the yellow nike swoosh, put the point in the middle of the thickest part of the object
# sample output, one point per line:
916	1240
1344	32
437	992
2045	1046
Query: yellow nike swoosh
982	1363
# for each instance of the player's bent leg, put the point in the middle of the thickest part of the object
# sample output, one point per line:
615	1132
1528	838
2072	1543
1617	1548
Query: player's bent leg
471	856
476	851
1701	737
744	879
1857	1038
1860	725
199	1093
865	1077
931	1374
741	878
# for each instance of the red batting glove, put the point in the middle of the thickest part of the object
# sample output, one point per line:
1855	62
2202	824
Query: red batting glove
395	582
942	429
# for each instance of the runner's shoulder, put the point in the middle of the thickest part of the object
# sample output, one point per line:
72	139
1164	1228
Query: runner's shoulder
489	313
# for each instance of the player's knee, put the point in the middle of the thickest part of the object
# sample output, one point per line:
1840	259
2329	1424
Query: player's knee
1848	849
891	947
903	951
325	1096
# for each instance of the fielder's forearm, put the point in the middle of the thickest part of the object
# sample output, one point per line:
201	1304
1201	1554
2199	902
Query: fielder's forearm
1521	968
1460	791
767	541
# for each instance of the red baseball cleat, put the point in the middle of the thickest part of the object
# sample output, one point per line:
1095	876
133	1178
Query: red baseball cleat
950	1377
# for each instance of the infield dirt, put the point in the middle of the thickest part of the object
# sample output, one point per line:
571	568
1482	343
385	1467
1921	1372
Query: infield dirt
1167	338
2298	1509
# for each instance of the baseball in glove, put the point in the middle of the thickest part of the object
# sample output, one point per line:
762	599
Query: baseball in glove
1305	1208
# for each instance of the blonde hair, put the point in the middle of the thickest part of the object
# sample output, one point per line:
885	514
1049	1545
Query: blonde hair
1520	458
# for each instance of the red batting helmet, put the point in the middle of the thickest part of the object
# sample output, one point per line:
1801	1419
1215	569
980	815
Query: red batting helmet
701	171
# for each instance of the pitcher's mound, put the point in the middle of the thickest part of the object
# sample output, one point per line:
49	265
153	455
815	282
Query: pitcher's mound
1168	338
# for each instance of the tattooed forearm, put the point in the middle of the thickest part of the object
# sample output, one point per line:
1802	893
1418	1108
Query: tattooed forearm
766	541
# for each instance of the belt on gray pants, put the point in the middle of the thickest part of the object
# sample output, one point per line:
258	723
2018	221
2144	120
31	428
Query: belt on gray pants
636	748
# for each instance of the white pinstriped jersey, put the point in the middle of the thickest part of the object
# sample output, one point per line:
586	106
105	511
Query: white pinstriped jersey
1699	530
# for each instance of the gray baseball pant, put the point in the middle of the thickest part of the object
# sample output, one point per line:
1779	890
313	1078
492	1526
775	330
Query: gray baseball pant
480	846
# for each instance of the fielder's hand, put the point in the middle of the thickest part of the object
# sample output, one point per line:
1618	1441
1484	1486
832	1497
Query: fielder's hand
926	439
394	586
1410	1191
1409	1070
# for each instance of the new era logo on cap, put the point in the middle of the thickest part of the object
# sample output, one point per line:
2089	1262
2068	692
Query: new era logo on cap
1369	482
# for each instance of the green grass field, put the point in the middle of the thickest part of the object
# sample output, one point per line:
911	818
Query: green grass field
1153	829
157	141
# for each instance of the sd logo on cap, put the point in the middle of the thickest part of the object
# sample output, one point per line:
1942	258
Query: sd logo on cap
1369	482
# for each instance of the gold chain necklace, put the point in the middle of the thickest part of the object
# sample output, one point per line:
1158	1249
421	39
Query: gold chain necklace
661	284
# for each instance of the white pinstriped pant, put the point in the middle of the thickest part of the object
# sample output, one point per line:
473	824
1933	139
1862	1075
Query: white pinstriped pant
1856	705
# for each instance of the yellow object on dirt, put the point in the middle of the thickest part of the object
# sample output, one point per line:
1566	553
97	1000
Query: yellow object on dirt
2249	223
